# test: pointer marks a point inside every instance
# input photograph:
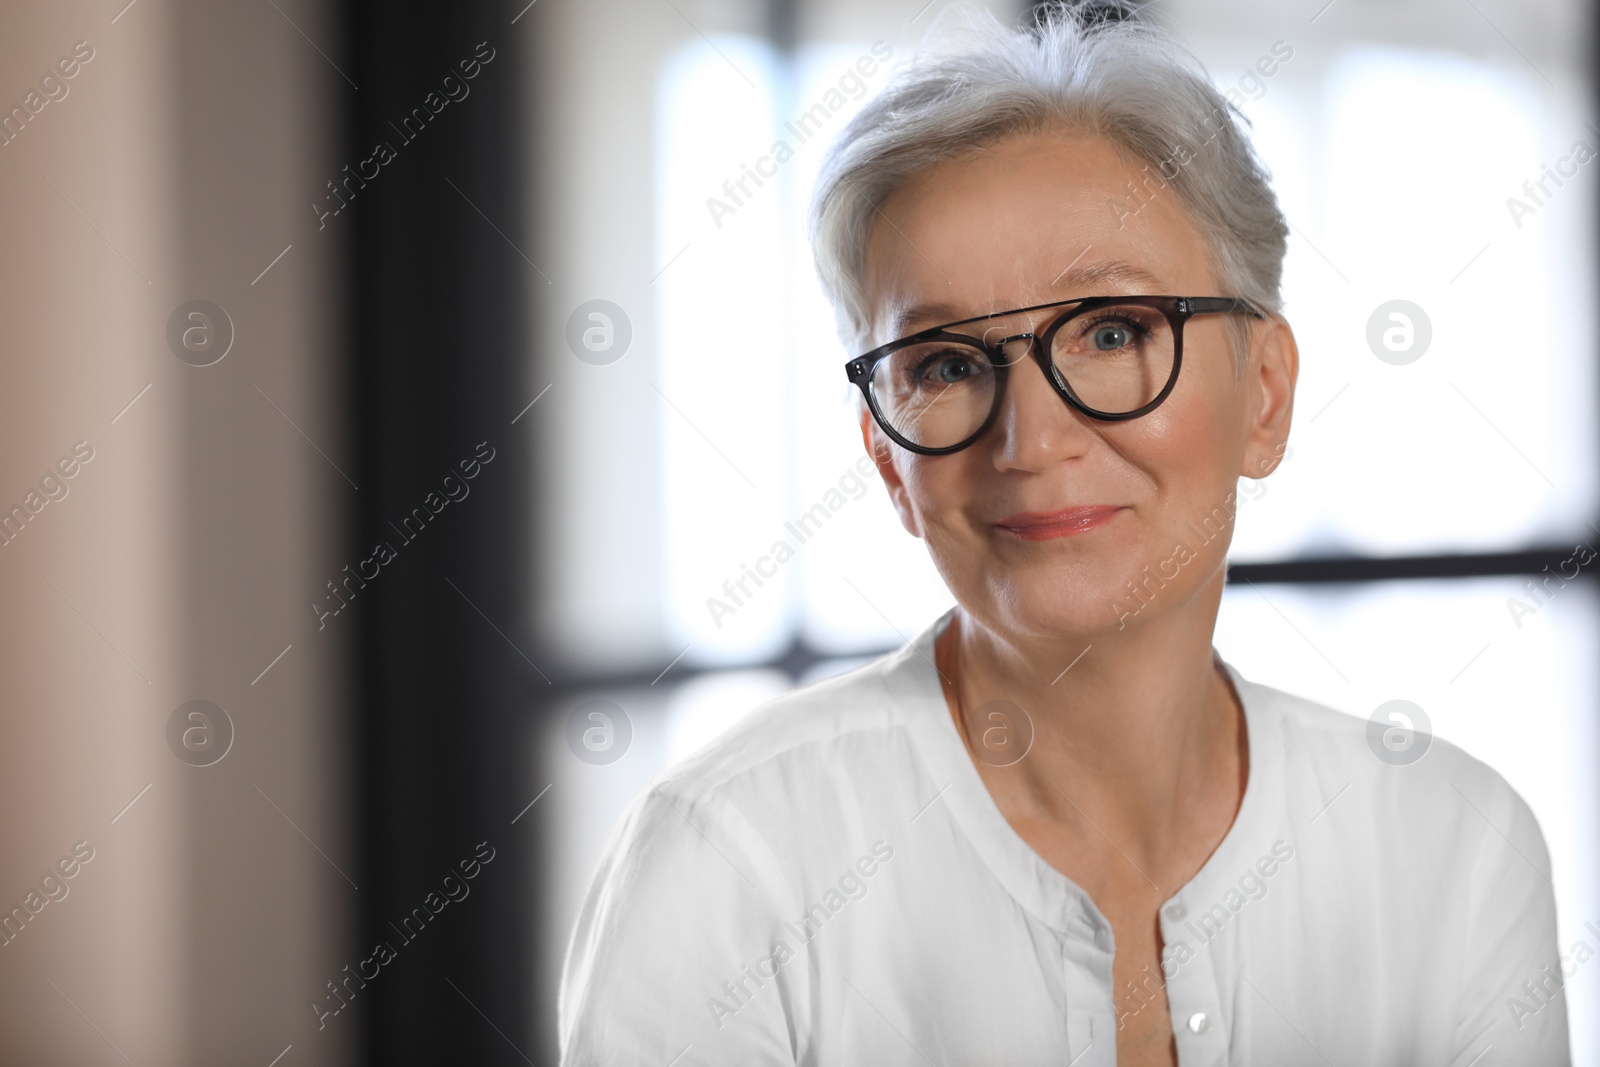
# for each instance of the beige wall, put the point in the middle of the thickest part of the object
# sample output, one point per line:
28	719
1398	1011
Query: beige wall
188	546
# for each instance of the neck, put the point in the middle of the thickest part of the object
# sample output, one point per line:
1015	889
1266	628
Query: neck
1135	729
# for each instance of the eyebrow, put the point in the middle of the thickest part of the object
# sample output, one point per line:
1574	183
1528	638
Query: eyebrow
1111	270
924	315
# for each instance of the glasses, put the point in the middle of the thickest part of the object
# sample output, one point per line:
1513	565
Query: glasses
1111	358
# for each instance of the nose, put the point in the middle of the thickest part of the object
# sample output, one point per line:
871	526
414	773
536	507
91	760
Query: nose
1036	428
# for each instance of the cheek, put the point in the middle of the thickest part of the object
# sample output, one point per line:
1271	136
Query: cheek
1183	449
938	488
1196	430
1192	455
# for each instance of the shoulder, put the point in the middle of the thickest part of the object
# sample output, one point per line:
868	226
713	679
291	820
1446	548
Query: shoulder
788	781
1419	789
840	724
713	854
1425	852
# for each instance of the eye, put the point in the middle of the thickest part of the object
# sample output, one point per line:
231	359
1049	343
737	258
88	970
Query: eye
947	368
1110	336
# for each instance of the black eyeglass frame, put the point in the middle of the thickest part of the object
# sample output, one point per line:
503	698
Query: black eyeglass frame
1178	310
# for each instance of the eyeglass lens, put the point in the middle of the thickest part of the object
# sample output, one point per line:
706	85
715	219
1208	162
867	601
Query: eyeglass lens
1115	360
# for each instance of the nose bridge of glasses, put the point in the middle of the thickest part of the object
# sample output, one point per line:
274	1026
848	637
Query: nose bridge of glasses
998	344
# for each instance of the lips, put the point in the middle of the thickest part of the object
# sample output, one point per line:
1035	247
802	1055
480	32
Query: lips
1068	522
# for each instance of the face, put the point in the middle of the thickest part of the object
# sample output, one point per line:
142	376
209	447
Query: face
1040	526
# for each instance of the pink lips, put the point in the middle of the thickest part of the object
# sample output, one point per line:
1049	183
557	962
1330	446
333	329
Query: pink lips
1047	525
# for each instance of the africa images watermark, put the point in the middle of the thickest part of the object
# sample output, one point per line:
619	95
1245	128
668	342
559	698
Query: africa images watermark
850	486
809	123
1251	84
1546	986
737	992
1206	925
1212	525
455	89
1565	167
52	888
1539	592
52	487
451	488
53	87
453	889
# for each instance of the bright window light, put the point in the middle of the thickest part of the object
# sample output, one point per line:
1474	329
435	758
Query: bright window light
723	300
1396	180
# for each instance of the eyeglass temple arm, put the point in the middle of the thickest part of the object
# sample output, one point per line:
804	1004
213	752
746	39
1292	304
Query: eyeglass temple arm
1217	305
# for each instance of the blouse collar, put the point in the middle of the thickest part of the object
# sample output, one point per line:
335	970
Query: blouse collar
1046	893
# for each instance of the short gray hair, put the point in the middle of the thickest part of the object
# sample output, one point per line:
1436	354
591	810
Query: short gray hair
1091	66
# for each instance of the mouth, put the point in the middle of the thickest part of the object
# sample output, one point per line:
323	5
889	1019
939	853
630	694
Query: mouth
1048	525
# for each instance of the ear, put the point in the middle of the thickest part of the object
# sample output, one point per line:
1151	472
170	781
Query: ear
1270	377
881	450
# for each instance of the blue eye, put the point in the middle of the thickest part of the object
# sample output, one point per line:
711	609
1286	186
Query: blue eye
1111	336
948	368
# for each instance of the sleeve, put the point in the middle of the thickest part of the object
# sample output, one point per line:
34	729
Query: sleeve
1513	1007
667	958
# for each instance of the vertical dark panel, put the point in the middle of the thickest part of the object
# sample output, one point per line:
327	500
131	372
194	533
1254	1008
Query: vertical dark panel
438	336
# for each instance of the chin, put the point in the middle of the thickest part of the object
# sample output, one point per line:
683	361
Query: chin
1065	605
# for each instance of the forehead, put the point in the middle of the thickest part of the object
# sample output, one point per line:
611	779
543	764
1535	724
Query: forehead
1027	220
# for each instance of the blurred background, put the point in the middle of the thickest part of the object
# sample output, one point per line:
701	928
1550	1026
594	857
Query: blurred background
390	390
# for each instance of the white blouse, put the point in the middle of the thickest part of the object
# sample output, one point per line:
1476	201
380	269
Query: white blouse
830	882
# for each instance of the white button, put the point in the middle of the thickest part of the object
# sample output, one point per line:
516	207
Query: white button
1176	912
1198	1023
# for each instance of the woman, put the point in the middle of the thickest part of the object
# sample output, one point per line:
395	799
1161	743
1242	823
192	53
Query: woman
1055	827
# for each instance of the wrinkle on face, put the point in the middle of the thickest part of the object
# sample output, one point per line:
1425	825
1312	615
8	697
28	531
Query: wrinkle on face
1030	221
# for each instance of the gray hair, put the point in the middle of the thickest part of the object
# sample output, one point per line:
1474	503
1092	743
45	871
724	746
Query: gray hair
1088	66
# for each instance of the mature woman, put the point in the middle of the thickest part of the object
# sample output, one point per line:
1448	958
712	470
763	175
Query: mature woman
1056	828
